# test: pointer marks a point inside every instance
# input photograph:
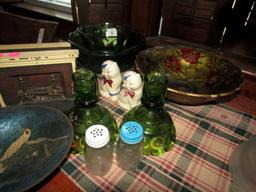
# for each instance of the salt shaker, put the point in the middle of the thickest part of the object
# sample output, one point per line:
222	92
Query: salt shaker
98	150
110	80
130	146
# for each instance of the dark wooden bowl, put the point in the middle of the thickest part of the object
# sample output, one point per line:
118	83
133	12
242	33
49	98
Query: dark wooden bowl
34	140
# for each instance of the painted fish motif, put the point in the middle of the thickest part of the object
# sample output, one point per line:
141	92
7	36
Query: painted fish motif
26	155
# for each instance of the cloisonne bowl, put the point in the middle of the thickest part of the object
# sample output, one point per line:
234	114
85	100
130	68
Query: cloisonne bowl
34	140
106	41
195	76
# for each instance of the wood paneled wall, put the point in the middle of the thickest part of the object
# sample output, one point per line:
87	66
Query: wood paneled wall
188	19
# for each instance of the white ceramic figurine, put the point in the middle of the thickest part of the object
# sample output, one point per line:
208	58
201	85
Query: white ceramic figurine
131	91
110	80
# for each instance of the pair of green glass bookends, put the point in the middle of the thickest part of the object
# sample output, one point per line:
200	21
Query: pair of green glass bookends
159	130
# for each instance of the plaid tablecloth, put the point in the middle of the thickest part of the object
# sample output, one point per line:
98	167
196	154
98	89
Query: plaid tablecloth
199	161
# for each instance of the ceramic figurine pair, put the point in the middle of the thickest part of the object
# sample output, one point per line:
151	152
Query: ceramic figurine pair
124	88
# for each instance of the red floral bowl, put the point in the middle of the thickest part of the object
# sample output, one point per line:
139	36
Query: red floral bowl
195	76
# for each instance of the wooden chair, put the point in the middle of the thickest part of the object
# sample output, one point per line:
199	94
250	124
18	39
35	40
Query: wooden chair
20	29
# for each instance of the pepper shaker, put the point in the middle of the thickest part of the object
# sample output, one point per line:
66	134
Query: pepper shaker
130	146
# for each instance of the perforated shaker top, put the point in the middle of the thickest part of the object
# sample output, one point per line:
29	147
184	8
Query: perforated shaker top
131	132
97	136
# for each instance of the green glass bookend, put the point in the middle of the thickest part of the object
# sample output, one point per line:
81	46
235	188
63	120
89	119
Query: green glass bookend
87	112
159	130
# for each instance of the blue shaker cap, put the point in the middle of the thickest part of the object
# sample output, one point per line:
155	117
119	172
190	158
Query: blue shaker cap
131	132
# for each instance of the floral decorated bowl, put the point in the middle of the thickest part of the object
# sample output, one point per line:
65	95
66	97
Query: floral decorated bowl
195	76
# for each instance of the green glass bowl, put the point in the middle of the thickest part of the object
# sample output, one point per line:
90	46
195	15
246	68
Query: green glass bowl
195	76
100	42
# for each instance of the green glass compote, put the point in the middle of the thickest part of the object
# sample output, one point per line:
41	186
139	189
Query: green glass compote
159	130
87	112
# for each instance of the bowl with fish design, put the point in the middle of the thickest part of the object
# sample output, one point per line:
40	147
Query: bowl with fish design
34	140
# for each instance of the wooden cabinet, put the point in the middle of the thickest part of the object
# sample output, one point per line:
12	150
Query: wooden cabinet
36	83
248	89
225	24
188	19
32	73
145	16
98	11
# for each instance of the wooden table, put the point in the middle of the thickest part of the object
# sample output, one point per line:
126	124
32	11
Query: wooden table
206	138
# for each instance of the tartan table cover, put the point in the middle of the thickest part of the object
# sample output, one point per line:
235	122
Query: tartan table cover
199	161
